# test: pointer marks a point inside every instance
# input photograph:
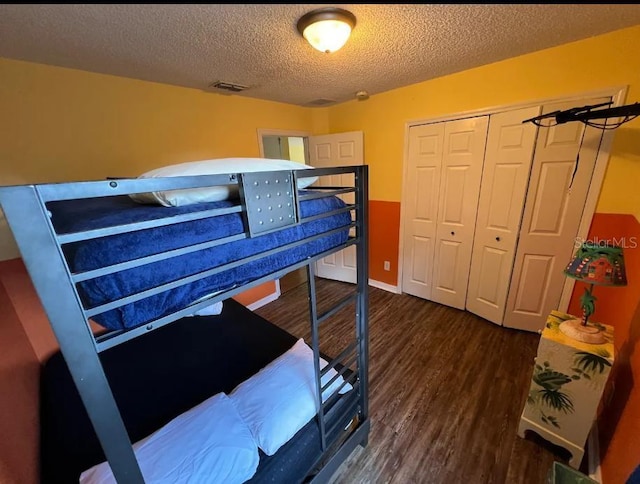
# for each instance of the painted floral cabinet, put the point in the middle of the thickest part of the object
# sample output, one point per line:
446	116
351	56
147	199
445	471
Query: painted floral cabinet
568	381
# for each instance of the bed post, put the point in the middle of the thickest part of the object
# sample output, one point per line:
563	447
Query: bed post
315	344
362	307
29	222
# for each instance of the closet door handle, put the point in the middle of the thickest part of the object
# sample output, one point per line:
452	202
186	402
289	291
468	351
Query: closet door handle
498	239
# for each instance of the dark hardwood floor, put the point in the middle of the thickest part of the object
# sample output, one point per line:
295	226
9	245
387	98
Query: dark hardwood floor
446	390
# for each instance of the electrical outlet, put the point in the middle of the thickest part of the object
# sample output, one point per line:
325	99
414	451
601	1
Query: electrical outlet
387	265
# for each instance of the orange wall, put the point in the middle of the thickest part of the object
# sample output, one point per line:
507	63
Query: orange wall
595	63
19	420
60	124
256	293
384	220
27	307
26	340
619	423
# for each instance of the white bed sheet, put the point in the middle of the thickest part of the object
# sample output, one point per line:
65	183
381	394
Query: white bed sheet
209	443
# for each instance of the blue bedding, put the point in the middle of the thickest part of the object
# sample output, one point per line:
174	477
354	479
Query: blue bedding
80	215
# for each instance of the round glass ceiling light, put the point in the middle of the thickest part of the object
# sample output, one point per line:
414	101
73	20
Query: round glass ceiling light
327	29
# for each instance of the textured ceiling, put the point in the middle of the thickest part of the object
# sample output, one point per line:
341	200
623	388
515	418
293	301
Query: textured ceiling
257	45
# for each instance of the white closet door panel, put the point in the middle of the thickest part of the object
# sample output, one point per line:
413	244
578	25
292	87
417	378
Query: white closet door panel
422	263
552	197
448	255
507	165
462	161
530	294
491	263
421	204
551	218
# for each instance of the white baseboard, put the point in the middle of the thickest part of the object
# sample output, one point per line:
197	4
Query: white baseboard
267	299
385	287
594	454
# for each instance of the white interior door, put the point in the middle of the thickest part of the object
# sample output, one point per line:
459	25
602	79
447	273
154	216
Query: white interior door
421	207
507	164
340	149
552	213
462	160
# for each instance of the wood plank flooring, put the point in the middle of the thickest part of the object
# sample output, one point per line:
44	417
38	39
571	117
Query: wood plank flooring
446	390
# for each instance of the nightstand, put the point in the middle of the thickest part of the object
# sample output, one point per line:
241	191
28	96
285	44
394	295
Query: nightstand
567	384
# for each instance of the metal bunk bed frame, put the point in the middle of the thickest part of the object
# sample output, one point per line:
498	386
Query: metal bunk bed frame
41	249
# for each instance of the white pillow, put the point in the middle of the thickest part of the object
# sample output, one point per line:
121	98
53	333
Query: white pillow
279	400
208	443
210	310
176	198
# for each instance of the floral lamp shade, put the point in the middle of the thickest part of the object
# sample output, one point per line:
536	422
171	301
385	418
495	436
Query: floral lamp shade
600	265
593	264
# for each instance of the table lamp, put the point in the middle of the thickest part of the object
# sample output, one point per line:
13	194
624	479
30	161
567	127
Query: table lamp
595	265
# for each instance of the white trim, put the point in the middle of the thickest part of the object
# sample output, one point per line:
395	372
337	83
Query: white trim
617	92
403	204
278	132
597	179
593	454
384	286
267	299
618	95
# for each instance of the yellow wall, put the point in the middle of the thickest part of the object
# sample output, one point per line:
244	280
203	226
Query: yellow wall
60	124
63	124
604	61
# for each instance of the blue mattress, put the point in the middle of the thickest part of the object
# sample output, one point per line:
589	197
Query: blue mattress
80	215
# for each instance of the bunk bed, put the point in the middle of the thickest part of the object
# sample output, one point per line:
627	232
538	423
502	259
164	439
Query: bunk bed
121	281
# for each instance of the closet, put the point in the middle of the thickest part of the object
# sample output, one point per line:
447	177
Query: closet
492	207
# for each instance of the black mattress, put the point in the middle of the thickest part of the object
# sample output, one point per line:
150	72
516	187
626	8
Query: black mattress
158	376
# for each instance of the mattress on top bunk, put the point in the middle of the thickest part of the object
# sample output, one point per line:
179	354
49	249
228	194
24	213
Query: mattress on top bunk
88	214
162	375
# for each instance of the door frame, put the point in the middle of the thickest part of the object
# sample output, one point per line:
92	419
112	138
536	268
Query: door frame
284	132
618	95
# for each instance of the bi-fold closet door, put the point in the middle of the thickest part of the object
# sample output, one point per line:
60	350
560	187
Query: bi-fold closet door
445	169
539	178
466	187
561	176
507	164
492	210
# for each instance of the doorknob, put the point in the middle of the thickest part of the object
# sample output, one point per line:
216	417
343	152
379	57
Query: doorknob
498	239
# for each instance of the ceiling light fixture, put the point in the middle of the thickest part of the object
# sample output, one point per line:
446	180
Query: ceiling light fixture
327	29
